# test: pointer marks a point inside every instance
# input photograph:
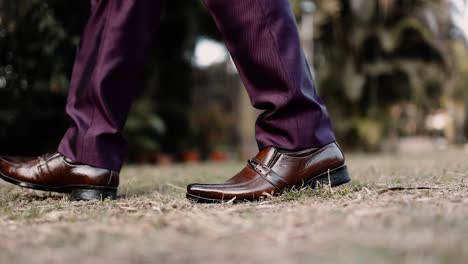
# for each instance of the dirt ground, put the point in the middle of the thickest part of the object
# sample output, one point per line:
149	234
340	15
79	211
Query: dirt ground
399	209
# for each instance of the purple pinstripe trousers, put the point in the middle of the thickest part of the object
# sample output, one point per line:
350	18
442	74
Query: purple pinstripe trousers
264	43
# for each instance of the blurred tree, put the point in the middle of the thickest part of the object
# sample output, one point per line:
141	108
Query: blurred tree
160	121
378	63
37	45
371	55
38	39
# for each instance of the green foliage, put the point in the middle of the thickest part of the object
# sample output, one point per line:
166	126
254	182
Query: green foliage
38	39
37	43
372	59
372	55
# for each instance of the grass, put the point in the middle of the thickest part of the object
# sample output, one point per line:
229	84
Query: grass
398	209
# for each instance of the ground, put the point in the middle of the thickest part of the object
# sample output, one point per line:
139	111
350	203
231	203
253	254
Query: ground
398	209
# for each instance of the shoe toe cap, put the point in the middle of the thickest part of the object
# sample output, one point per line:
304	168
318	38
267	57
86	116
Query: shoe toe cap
198	189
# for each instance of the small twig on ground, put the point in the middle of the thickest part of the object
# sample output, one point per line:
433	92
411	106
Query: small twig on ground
176	187
393	189
127	208
369	191
231	201
329	182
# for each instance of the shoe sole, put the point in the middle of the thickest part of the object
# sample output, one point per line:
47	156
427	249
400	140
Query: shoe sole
332	178
77	192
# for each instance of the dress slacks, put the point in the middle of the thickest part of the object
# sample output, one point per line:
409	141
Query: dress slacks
263	40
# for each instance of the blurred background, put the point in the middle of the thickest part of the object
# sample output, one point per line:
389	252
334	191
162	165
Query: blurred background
393	74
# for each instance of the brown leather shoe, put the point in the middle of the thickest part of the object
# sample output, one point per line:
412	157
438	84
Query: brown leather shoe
55	173
272	171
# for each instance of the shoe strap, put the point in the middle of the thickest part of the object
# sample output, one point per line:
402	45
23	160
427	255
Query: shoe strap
268	175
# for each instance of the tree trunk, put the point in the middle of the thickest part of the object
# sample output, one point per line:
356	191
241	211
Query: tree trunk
306	29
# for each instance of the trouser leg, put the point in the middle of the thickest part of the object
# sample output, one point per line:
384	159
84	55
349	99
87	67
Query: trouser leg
264	43
106	76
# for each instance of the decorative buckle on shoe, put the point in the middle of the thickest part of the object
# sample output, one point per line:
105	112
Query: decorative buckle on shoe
260	168
269	175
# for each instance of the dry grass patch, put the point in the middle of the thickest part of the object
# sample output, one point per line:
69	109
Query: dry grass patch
399	209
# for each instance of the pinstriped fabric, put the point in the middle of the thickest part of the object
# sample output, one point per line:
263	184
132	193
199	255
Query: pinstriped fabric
107	74
263	40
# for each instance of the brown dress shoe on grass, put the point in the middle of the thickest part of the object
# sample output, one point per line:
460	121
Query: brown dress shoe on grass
56	173
273	171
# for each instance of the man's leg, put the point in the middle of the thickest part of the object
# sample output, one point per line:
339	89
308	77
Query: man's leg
294	132
106	76
264	42
108	73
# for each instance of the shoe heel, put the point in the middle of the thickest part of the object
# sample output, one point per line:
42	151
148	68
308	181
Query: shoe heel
93	194
332	178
